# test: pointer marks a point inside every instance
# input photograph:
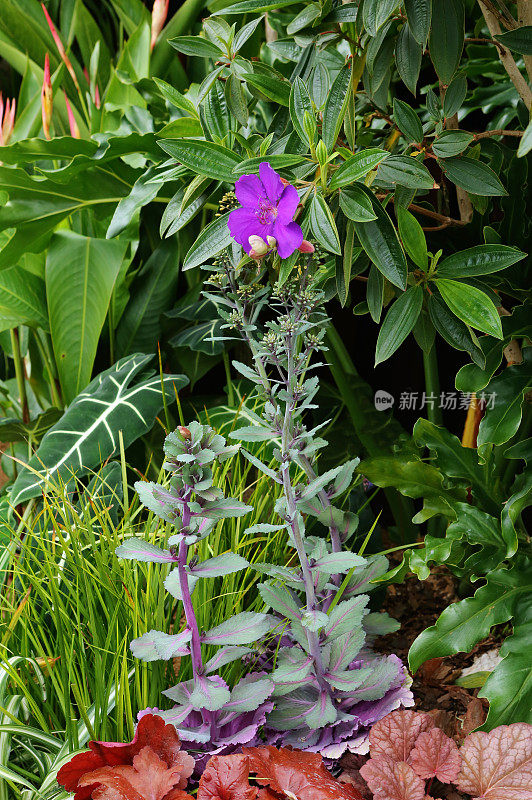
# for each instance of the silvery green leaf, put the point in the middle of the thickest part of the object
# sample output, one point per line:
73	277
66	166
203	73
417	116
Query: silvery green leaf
287	575
224	564
263	468
177	715
243	628
292	665
348	680
314	620
379	623
280	599
321	712
287	715
346	616
345	521
225	655
203	692
246	371
263	527
319	482
249	693
226	507
161	501
344	649
156	645
380	677
362	578
172	584
336	563
140	550
244	33
254	433
345	477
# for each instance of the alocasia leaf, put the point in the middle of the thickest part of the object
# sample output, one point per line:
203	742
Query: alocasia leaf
392	780
226	778
395	735
498	765
435	755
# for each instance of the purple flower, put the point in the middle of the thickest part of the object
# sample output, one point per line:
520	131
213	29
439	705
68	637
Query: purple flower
268	208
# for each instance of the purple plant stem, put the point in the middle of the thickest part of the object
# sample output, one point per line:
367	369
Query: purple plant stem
195	643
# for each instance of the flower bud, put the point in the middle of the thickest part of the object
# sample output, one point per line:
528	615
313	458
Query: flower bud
158	18
185	433
59	45
7	119
258	246
306	247
46	98
272	241
74	130
321	153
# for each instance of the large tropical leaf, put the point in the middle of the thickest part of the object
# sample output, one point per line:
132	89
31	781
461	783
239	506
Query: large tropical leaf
124	397
78	299
22	299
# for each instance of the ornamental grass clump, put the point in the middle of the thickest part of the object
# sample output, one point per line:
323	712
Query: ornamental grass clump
325	686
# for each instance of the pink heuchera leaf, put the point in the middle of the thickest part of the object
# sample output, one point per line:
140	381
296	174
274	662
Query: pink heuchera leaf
148	778
392	780
395	735
435	756
226	778
498	765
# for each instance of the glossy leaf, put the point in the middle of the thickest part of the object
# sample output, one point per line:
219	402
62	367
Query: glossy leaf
419	14
211	241
22	300
323	225
451	143
398	323
483	259
273	88
205	158
357	166
473	176
518	40
412	237
335	107
356	205
407	121
471	305
509	388
446	40
380	241
408	55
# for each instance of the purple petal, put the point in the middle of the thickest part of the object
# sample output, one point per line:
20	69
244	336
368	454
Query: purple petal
248	190
271	182
242	224
289	237
287	205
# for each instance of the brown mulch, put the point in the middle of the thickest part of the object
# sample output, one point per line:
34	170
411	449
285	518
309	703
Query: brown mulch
458	711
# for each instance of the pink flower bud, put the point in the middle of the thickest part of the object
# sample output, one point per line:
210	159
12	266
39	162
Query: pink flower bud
306	247
59	45
158	18
74	130
46	98
7	119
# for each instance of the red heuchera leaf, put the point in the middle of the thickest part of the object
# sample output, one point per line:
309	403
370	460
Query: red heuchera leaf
297	773
392	780
226	778
149	778
151	731
395	735
435	756
498	765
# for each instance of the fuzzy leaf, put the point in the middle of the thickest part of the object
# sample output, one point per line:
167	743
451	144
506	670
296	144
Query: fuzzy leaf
394	736
435	756
392	780
225	564
226	778
498	765
345	616
243	628
156	645
140	550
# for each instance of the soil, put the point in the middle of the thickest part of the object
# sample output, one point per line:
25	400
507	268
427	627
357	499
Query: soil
457	710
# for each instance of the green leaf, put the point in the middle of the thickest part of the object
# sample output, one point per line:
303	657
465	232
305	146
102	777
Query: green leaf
471	305
419	13
196	46
412	237
243	628
447	34
525	145
356	205
398	323
323	225
375	293
357	166
78	299
254	6
272	88
245	33
455	95
281	161
518	40
453	330
125	397
22	300
236	99
407	121
200	337
224	564
473	176
380	241
375	13
481	260
463	624
176	98
211	241
304	19
508	389
335	107
15	430
204	158
216	113
408	54
451	143
142	193
299	103
405	171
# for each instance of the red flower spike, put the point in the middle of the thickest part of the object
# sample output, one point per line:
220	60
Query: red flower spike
7	119
74	130
151	731
297	773
395	735
148	778
435	755
59	45
306	247
158	18
392	780
226	778
47	98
